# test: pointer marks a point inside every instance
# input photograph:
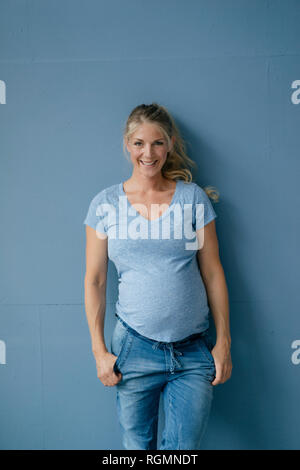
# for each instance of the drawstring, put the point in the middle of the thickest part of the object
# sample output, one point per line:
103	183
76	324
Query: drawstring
173	353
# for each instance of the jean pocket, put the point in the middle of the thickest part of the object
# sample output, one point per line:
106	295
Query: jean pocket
206	345
120	344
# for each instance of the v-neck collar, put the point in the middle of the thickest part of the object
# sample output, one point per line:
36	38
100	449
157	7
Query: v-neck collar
164	214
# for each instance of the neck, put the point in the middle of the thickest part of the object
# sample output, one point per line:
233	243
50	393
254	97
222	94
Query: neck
147	184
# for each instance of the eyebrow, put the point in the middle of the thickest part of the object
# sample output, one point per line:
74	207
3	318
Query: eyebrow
161	138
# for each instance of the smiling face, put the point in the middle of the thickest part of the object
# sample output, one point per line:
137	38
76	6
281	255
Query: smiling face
148	149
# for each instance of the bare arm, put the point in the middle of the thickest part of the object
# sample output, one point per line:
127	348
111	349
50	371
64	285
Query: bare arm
95	305
214	279
95	288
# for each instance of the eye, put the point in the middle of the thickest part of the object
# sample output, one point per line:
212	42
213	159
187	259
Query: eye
157	143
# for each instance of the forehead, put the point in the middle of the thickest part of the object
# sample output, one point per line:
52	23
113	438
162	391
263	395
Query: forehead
148	131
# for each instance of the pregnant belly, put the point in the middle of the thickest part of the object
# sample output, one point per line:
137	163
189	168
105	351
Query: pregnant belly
162	296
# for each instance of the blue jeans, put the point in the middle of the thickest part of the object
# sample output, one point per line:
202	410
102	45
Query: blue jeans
182	370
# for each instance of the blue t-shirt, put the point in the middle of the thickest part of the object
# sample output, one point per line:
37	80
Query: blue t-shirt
161	291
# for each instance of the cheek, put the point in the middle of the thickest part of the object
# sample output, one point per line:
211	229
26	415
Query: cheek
163	150
135	154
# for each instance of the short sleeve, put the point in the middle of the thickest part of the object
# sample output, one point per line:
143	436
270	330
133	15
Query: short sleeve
95	216
203	211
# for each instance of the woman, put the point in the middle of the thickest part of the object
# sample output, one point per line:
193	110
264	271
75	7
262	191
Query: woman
160	343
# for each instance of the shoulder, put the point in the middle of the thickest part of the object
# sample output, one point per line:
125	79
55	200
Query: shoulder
106	195
102	202
193	191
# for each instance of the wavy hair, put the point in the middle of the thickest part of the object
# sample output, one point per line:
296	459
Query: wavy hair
177	162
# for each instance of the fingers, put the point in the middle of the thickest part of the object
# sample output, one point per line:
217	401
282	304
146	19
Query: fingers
223	373
110	381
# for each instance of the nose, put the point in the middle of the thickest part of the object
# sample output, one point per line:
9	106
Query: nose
147	151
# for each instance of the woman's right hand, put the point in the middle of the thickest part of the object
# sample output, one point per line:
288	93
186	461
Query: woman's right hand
105	369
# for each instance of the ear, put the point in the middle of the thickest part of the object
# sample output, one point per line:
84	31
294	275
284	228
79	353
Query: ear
126	144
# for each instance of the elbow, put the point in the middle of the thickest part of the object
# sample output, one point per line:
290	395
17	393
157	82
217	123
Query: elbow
98	281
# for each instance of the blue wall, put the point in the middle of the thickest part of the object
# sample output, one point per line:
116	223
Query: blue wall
71	72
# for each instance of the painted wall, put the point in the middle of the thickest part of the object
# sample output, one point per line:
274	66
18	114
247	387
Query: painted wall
71	72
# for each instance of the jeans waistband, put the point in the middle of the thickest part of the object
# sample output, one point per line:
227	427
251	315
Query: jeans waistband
153	341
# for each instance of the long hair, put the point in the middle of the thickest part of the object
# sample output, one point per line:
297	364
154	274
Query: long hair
177	162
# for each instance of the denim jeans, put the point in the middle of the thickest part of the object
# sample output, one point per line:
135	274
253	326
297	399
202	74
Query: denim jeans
182	371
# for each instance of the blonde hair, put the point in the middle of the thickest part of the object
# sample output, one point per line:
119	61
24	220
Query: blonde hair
177	161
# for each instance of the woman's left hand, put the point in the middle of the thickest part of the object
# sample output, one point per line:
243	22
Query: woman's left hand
222	358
